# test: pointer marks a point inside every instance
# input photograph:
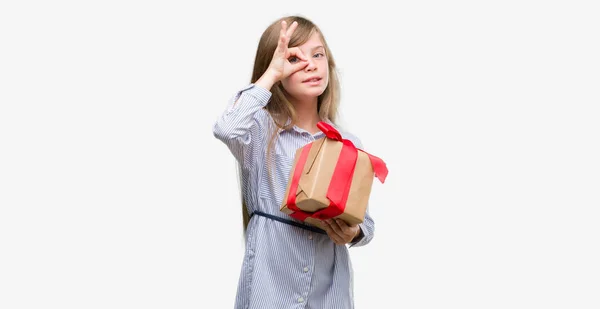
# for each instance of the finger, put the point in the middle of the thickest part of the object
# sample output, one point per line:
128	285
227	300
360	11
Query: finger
295	51
343	226
291	30
336	238
299	66
339	235
283	27
342	229
335	226
350	231
282	44
333	235
283	39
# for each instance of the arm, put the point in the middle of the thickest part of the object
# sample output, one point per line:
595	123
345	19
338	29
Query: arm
237	126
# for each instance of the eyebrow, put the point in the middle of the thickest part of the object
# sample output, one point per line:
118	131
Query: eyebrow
317	47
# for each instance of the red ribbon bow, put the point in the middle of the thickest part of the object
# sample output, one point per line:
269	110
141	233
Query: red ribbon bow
339	186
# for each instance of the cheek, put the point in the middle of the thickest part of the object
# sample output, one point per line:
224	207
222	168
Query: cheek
295	78
291	81
326	69
326	80
286	83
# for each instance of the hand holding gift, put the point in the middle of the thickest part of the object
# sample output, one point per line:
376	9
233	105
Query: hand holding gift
339	231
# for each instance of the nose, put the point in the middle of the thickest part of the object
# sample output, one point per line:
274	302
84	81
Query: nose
311	65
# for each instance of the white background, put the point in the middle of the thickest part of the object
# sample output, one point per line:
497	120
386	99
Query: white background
115	194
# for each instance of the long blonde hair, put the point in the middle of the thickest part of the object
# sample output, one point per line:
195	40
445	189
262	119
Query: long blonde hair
279	107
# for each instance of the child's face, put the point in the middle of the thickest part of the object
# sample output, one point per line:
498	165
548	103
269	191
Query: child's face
298	84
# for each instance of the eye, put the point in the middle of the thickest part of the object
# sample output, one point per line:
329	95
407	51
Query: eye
319	54
293	59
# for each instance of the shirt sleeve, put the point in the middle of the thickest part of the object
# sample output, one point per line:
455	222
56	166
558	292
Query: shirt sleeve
367	231
237	127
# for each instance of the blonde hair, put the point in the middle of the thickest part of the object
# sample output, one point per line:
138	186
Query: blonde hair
279	107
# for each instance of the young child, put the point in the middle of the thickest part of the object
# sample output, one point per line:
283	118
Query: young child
294	85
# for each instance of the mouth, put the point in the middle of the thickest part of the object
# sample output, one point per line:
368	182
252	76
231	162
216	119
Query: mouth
312	80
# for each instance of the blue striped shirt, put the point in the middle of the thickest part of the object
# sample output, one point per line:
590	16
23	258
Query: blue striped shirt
284	266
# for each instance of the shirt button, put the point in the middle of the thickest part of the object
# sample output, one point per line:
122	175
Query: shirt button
300	300
305	269
309	236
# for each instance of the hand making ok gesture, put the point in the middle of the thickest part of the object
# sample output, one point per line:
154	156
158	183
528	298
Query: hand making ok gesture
280	66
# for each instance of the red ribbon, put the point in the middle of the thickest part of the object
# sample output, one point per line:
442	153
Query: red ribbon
341	180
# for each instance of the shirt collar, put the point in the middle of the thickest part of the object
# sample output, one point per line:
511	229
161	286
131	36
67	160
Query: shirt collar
299	130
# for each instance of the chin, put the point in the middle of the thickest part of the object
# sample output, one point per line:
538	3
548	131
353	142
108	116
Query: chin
315	92
311	93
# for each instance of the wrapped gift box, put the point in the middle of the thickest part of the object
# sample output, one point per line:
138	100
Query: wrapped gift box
331	178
